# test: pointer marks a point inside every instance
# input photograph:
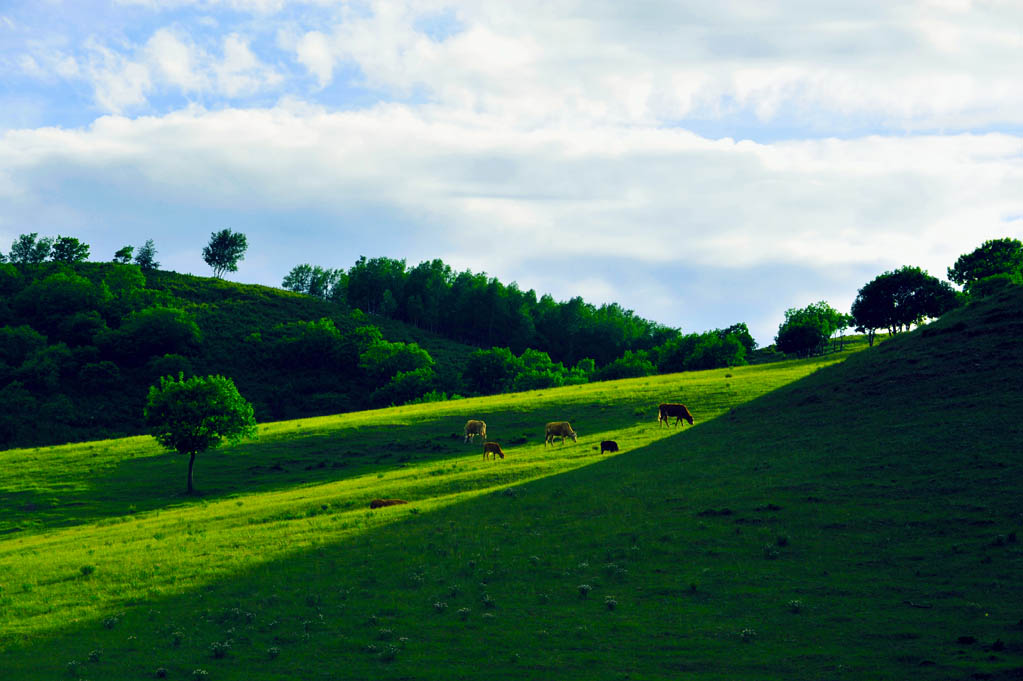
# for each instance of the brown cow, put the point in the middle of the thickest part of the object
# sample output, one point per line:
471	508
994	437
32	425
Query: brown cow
474	428
679	411
380	503
608	446
492	448
560	429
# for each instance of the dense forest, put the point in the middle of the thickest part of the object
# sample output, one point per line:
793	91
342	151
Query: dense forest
81	342
480	310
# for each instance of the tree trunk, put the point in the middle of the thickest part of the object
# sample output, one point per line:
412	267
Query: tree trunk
191	462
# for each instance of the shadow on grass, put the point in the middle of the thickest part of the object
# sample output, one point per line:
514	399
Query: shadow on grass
368	596
617	569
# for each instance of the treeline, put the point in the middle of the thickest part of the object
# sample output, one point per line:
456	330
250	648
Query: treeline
480	310
82	342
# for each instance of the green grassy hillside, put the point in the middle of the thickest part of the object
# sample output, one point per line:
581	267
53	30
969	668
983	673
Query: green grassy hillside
822	520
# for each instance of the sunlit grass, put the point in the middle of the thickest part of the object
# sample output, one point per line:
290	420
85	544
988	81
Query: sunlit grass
116	507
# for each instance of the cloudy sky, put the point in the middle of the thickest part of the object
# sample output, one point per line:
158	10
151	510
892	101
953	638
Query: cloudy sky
700	163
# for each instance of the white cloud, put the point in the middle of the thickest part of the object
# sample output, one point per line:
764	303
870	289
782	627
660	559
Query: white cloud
175	60
125	78
314	52
240	71
642	195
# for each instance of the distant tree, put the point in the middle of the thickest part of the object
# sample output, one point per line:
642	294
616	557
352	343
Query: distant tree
224	251
27	250
123	254
17	343
488	372
69	250
192	415
376	285
315	281
149	332
48	302
899	299
146	257
741	333
405	386
383	359
629	365
806	330
993	257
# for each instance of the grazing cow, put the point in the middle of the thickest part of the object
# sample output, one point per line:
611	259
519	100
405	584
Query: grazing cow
560	429
492	448
380	503
608	446
474	428
679	411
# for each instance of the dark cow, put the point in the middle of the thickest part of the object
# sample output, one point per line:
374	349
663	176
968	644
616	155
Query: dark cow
679	411
492	448
608	446
380	503
560	429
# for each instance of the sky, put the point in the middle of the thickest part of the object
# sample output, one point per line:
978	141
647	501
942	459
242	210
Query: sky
699	163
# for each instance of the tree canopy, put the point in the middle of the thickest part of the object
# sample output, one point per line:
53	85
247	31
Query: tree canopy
224	251
124	254
806	330
993	257
69	250
28	249
146	257
899	299
192	415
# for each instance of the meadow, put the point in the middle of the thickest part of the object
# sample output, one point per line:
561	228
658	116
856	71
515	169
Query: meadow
853	516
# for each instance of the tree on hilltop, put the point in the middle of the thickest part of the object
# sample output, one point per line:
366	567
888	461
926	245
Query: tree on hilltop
993	257
899	299
224	251
192	415
146	257
316	281
69	250
123	254
28	249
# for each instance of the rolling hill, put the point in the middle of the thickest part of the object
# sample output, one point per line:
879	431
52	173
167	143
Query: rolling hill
824	519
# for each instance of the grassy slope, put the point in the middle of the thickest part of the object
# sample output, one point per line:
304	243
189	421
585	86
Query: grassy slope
854	524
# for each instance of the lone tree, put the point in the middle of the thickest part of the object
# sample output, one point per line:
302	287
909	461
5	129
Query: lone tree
195	414
224	251
992	258
146	257
69	250
123	254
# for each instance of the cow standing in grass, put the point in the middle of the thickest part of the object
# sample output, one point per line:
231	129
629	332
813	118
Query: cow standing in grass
560	429
608	446
474	428
492	449
679	411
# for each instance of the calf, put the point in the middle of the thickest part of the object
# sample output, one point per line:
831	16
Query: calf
608	446
492	448
380	503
